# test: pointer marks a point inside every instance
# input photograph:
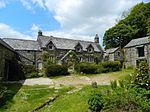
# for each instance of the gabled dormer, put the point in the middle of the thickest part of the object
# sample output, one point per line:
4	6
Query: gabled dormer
90	48
50	45
78	47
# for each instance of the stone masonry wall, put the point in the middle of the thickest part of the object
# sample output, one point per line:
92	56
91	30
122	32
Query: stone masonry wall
5	54
131	55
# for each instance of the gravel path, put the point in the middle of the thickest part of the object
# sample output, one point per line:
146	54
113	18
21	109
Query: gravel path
69	81
37	81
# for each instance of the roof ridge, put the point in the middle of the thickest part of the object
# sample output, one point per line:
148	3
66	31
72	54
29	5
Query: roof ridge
19	39
140	38
67	39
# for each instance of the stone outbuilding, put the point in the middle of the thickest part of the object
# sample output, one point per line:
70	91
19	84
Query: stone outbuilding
28	50
113	54
9	68
137	50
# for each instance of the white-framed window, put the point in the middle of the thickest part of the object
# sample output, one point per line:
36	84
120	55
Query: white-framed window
90	59
50	47
78	49
90	50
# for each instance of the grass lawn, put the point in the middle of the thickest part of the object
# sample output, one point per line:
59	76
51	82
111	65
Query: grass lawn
76	102
26	98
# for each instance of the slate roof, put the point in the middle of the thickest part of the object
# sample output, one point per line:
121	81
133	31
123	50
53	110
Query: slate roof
20	44
6	45
138	41
111	50
69	44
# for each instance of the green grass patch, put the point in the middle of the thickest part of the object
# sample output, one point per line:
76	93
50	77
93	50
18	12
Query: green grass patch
27	98
75	102
120	74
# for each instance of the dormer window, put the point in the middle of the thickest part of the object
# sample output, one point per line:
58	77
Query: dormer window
78	49
50	47
90	50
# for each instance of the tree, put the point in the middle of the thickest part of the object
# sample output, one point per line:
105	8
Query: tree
133	26
118	36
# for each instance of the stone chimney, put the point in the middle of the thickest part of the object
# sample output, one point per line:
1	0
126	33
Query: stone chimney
96	39
40	33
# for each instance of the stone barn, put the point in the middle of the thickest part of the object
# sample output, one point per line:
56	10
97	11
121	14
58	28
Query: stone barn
137	50
9	68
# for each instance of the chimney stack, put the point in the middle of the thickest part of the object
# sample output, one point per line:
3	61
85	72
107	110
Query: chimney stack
40	33
96	39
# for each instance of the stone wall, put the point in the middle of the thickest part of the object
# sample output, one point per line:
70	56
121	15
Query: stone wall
83	56
29	57
118	56
5	55
131	55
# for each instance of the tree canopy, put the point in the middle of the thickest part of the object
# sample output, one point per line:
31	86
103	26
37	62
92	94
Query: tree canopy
134	25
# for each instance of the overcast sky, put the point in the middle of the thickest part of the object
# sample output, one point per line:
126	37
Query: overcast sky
77	19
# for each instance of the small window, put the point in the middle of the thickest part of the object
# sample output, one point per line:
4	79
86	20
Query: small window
78	49
118	53
140	51
90	50
90	59
50	47
81	59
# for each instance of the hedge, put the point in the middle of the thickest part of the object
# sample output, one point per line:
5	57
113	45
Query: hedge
30	71
110	66
56	70
103	67
87	68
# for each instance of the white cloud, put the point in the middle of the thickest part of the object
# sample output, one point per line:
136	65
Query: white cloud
80	19
88	16
8	32
31	4
2	3
35	27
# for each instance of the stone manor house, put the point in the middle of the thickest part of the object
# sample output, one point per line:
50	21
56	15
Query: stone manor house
30	51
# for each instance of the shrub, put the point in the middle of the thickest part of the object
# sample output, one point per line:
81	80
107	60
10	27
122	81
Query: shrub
141	76
56	70
110	66
121	101
87	68
3	91
95	102
30	71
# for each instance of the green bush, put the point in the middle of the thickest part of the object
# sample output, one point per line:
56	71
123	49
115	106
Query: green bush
103	67
95	102
110	66
56	70
3	91
30	71
87	68
141	75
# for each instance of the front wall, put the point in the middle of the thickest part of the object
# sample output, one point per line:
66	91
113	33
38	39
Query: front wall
84	55
131	55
